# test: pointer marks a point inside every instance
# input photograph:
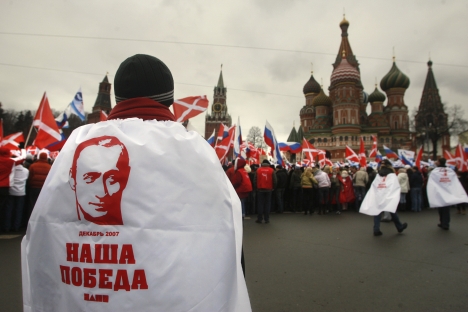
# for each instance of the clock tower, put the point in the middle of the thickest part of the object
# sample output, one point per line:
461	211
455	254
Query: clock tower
219	111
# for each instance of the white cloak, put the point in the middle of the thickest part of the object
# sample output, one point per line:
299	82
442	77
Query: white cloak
383	195
179	246
444	188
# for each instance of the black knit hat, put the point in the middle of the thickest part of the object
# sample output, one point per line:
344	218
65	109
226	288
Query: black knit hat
144	76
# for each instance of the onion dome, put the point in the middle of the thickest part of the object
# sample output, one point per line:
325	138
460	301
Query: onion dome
345	72
394	79
321	100
344	22
312	86
365	97
376	96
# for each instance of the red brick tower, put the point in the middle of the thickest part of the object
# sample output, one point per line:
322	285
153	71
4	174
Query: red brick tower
219	110
103	102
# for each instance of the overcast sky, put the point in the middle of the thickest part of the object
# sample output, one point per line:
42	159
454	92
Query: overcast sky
266	48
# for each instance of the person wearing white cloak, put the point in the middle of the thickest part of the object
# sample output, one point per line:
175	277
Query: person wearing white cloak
383	195
123	222
443	191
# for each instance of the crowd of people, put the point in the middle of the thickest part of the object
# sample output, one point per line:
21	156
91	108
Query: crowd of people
325	190
21	182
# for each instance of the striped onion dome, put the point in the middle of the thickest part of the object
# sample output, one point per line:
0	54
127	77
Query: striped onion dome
345	72
322	99
394	79
312	86
376	96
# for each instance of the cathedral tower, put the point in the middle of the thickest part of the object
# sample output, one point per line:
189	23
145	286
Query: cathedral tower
103	102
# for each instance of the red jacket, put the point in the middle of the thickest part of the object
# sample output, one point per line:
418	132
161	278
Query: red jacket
240	179
347	190
38	172
6	168
265	178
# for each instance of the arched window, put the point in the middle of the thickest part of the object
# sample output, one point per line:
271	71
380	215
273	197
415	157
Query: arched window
325	140
319	140
312	140
346	138
341	138
396	124
382	140
387	140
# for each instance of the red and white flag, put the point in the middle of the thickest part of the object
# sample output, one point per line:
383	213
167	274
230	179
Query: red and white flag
323	160
451	160
189	107
47	129
222	147
12	141
103	116
362	155
460	156
32	150
373	152
417	162
309	149
351	155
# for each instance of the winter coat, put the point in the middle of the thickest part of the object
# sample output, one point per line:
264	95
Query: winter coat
347	190
296	179
240	179
19	181
416	180
361	177
322	178
38	172
308	180
266	178
404	181
282	178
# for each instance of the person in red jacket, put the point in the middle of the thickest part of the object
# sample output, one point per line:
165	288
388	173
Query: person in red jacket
266	182
241	182
6	180
38	172
347	190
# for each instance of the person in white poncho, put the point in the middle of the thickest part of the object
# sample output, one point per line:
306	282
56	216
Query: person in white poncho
123	222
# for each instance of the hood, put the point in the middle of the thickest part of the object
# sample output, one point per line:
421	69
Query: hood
239	163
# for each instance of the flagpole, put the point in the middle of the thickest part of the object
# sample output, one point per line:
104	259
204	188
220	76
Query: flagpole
29	134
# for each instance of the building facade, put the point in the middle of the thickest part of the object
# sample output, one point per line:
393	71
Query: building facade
331	122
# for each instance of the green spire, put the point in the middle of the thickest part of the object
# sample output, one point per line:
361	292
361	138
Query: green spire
220	80
293	135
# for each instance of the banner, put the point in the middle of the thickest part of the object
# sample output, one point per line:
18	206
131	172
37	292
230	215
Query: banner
383	195
124	224
444	188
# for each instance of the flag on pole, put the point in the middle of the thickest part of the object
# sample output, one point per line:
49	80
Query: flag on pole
222	147
47	130
103	116
378	157
292	147
12	141
62	119
417	162
211	139
237	139
460	156
270	139
189	107
407	157
362	155
451	160
323	160
309	149
222	132
77	106
351	155
389	153
373	152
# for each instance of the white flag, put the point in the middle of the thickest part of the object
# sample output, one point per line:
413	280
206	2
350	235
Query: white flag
383	195
118	227
444	188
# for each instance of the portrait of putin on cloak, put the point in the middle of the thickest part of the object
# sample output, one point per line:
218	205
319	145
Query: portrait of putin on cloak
98	176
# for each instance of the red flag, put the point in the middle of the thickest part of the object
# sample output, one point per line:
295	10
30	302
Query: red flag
417	162
222	148
32	150
373	152
351	155
362	155
189	107
222	132
12	141
103	116
44	121
450	158
309	149
460	157
323	160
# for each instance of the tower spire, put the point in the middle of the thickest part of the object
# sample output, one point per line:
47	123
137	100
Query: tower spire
220	80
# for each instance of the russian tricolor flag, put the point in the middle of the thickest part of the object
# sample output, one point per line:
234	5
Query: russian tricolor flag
212	138
292	147
270	139
389	153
